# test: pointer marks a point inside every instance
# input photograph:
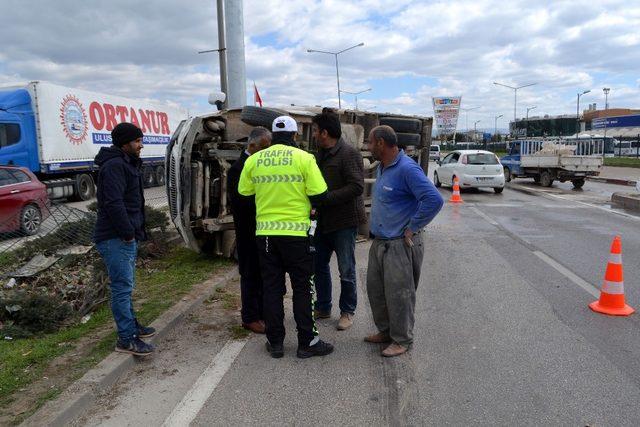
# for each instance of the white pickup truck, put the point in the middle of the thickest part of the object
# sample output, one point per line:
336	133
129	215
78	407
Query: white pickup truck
548	160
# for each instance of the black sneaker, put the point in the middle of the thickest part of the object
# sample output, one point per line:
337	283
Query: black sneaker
135	346
276	350
145	331
320	348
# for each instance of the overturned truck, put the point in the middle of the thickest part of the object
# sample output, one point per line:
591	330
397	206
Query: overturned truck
203	148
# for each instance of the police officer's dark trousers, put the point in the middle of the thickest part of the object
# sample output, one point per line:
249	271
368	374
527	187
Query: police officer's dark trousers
280	255
250	278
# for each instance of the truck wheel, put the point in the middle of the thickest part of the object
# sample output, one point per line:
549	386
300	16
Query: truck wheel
578	183
159	172
148	177
85	189
536	179
30	220
545	179
507	174
259	116
402	125
406	139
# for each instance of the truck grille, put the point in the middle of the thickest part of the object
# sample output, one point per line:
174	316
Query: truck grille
173	190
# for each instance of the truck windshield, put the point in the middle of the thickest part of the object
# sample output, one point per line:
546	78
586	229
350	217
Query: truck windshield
482	159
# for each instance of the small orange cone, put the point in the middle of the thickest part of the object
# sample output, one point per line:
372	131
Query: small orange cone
612	294
455	197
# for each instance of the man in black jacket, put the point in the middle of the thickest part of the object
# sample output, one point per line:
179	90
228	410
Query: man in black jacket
119	227
244	220
339	216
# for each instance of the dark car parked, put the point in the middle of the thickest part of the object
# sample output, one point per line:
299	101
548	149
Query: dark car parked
23	201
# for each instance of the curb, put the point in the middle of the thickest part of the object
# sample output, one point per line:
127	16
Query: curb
626	201
616	181
83	393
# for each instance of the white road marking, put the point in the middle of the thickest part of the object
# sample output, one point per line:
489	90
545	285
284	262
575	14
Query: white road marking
568	274
484	216
548	260
187	410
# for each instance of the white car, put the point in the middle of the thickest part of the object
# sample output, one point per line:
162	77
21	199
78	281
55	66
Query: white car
474	169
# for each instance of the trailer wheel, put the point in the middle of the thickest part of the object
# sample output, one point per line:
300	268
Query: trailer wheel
159	172
578	183
507	174
402	125
259	116
84	189
536	179
406	139
148	177
545	179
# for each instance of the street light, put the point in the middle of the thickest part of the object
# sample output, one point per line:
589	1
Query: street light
335	54
466	118
526	126
475	132
356	94
495	131
578	111
606	107
515	99
222	52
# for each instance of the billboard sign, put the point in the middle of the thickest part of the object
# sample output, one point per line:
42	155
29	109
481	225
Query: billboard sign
446	111
616	122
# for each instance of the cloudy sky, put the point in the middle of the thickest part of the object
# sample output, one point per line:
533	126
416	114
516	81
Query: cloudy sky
414	49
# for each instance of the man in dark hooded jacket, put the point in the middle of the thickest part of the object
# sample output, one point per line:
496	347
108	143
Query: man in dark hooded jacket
119	227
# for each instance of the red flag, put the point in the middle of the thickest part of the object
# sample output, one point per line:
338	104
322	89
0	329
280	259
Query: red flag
256	95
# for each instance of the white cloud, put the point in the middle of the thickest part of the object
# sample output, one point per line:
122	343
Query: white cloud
148	49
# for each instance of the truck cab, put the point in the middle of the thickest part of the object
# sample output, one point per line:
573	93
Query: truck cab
203	148
18	145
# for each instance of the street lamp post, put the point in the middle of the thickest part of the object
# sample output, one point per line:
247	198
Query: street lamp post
222	52
606	107
356	94
335	54
526	127
466	117
495	130
475	132
515	99
578	111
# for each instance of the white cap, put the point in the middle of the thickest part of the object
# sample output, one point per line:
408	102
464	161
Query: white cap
284	124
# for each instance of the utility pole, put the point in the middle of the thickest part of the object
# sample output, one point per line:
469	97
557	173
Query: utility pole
495	130
606	107
221	53
234	30
335	54
578	112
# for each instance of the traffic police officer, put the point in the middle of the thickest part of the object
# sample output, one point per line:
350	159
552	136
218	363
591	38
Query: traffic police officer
286	182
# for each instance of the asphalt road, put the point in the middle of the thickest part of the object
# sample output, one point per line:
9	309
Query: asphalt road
503	335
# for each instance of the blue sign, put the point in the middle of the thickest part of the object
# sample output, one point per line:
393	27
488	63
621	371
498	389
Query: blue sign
616	122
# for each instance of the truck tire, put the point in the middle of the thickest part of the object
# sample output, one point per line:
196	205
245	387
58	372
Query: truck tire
160	174
507	174
30	220
259	116
406	139
545	179
148	177
84	187
402	125
536	179
578	183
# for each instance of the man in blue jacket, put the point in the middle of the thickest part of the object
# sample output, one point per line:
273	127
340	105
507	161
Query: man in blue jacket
119	227
404	201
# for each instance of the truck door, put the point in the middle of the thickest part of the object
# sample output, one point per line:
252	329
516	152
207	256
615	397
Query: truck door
512	159
14	150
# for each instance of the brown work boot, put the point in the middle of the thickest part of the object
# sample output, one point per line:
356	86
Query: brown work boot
379	338
394	349
256	327
317	314
345	322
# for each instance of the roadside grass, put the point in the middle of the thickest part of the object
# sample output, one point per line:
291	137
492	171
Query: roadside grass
160	284
629	162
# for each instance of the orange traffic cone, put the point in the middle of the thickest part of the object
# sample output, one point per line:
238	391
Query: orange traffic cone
455	197
612	294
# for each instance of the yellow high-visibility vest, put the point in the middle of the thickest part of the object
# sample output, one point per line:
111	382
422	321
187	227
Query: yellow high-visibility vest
282	177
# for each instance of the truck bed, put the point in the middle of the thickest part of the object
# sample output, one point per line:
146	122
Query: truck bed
565	162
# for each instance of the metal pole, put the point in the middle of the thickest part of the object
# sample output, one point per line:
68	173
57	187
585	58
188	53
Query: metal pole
338	79
222	54
577	117
234	27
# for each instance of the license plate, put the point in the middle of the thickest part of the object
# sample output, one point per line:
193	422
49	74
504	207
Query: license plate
484	178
